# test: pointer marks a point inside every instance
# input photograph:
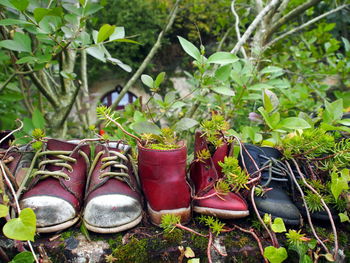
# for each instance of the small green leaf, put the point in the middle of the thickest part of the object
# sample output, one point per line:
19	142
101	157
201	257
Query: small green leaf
21	228
23	257
119	33
344	217
118	62
21	43
189	253
91	8
222	58
189	48
84	231
27	59
146	127
278	226
345	122
10	22
339	183
4	210
260	86
105	32
266	117
267	218
126	40
147	80
224	90
294	123
159	79
271	69
223	73
333	112
38	119
275	255
20	5
185	124
329	257
39	13
96	52
270	100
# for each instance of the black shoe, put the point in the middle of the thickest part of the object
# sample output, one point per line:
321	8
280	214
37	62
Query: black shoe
275	202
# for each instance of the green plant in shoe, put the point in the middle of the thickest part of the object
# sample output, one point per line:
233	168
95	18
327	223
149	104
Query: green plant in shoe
235	177
155	138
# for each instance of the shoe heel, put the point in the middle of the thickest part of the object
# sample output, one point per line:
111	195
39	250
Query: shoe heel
156	216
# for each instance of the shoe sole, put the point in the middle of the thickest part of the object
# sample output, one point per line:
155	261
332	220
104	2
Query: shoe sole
287	221
220	213
59	227
156	216
111	230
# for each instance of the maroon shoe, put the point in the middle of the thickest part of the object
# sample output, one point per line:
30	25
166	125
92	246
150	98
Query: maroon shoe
56	192
112	202
17	159
204	175
163	179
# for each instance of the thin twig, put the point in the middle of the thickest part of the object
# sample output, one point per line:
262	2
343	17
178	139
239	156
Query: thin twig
12	132
296	29
17	205
209	246
336	246
123	130
27	176
306	208
253	25
251	231
233	10
190	230
260	219
150	55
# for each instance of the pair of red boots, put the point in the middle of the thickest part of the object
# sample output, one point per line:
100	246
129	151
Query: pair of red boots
163	178
73	180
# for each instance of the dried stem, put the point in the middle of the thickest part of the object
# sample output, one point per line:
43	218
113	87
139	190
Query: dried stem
209	246
17	204
12	132
233	10
251	231
306	208
336	246
273	239
190	230
123	130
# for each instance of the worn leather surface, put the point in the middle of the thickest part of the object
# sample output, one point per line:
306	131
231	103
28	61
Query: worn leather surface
163	178
205	174
276	201
110	185
71	190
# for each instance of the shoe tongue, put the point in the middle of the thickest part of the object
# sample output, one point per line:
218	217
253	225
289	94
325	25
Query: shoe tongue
58	145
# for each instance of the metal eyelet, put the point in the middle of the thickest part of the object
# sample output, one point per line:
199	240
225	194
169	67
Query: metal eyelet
210	179
67	179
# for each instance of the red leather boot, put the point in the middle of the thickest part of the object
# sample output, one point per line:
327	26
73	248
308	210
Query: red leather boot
163	179
204	175
112	201
57	190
